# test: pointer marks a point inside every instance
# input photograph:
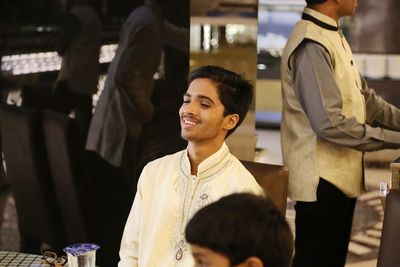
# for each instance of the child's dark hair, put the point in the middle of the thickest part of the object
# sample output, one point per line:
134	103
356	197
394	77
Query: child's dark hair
312	2
240	226
234	91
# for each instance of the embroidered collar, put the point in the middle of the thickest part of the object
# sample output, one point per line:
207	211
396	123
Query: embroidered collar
209	166
320	19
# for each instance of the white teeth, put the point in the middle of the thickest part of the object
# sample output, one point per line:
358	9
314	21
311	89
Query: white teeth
189	122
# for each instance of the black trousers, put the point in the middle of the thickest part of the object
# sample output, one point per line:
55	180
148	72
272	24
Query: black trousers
323	228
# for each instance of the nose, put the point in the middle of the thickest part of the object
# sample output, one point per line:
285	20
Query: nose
189	108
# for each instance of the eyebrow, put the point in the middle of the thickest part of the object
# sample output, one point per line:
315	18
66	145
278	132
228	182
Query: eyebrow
201	97
198	254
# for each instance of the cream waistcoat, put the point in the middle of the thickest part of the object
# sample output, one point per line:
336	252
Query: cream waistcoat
307	156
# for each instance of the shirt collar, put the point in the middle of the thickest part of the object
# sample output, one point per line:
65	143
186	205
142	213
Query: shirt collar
211	165
320	19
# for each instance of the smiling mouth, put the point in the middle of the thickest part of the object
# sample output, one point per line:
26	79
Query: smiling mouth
188	123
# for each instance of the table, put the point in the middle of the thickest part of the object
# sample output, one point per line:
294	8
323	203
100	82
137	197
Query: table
13	259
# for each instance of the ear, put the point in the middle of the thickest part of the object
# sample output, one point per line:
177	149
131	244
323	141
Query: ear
253	262
230	121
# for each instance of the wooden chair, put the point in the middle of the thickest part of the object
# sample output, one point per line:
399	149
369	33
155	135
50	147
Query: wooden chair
273	179
389	255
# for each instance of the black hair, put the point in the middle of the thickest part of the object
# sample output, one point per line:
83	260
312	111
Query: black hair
234	91
240	226
312	2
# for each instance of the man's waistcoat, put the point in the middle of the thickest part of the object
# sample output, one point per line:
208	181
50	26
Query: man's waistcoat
308	156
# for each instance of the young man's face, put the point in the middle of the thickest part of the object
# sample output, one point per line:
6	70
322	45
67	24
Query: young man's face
201	113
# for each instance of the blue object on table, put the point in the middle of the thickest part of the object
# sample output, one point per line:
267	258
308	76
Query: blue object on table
79	249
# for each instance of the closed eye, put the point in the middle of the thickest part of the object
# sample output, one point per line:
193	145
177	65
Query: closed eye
187	98
201	262
206	103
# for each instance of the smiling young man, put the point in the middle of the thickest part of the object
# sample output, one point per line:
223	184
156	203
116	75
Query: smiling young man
171	189
330	117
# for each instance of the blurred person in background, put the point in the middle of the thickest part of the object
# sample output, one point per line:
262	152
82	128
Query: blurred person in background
125	103
79	46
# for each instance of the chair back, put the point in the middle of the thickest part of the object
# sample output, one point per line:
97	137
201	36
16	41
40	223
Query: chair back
71	181
27	171
273	179
389	255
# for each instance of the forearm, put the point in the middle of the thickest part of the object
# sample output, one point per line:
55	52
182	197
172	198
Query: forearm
135	92
350	133
134	84
321	100
175	36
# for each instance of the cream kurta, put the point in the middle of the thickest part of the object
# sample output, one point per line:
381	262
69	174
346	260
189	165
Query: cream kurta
168	196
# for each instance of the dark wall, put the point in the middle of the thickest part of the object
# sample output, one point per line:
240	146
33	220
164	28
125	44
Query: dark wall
392	34
375	27
22	12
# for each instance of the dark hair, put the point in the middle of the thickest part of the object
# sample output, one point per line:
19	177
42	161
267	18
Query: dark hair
240	226
312	2
234	91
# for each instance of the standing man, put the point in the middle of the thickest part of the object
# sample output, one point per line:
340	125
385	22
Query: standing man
79	47
329	114
125	103
171	189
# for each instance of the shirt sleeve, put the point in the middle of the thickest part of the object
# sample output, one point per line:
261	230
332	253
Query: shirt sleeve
380	112
175	36
321	100
129	249
133	81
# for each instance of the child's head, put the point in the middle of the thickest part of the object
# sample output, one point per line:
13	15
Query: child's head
240	230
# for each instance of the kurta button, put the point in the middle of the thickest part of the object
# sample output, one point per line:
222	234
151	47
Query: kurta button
351	62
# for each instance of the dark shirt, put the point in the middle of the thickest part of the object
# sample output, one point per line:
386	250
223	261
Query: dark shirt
71	28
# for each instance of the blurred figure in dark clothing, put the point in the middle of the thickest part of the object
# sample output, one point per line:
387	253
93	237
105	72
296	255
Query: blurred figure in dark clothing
79	47
125	103
162	135
3	182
